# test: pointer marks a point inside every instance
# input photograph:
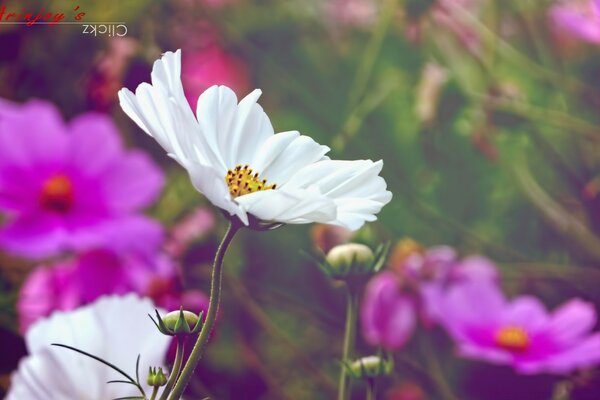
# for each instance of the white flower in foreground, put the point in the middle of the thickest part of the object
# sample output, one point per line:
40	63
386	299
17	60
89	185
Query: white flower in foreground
237	161
115	329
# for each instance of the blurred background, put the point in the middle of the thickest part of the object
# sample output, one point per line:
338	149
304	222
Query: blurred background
485	113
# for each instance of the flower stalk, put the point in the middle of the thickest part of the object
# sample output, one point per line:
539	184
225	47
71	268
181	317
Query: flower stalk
213	306
176	368
371	389
349	339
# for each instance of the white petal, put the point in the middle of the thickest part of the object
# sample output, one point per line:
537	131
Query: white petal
162	111
355	186
113	328
239	129
284	154
293	206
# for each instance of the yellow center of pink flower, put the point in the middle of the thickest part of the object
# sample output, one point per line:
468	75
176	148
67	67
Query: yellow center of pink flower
57	194
243	180
512	338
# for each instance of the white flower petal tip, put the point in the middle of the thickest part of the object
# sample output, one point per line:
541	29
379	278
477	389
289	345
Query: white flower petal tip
113	328
234	157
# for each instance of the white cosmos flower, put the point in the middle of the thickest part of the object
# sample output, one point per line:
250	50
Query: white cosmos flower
236	160
115	329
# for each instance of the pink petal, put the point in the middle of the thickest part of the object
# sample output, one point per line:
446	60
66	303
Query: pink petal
94	143
571	321
131	182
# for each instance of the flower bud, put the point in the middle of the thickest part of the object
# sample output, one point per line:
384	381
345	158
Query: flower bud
370	367
178	323
350	256
353	263
156	377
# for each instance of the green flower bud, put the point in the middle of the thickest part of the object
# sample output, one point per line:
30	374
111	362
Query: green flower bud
178	323
370	367
156	377
351	256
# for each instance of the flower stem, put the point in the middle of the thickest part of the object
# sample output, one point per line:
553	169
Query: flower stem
213	306
176	368
349	338
154	393
371	389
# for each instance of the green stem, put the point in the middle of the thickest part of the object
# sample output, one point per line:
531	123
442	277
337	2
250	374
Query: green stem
154	393
213	306
371	389
176	368
349	339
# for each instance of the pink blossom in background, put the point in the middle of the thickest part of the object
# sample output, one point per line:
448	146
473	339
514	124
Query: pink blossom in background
388	314
212	65
70	284
359	13
580	19
472	269
521	333
442	14
415	288
107	76
70	186
195	225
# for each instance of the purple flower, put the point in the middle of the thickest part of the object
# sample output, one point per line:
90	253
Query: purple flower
70	186
451	274
416	287
388	315
580	19
75	282
520	333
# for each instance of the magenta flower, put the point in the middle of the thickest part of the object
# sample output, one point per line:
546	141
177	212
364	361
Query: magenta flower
70	284
521	333
580	19
452	274
388	315
416	289
70	186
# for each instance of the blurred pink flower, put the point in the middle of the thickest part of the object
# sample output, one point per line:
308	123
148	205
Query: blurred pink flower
212	65
521	333
442	14
71	186
73	283
359	13
388	315
108	73
580	19
195	225
416	287
473	269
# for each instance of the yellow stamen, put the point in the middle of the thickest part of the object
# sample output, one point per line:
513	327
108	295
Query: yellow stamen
512	338
57	193
243	180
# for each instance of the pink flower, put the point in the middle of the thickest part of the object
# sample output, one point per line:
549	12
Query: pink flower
211	65
193	226
473	269
388	315
580	19
70	186
521	333
359	13
394	300
75	282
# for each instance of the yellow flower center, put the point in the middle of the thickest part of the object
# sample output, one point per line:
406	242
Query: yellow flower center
243	180
512	338
57	194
